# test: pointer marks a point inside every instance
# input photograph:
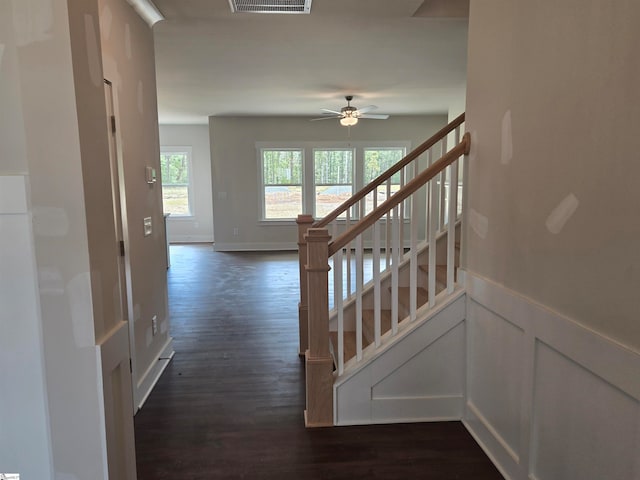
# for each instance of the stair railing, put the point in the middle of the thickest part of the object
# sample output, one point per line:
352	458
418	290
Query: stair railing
357	206
424	197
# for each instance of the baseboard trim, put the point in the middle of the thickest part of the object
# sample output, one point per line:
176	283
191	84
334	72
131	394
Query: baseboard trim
254	247
487	451
153	373
190	238
496	435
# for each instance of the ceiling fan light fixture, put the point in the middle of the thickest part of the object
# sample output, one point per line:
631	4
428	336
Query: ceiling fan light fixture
348	121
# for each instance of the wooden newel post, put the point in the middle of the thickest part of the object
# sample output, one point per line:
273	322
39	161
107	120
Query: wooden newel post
304	223
319	364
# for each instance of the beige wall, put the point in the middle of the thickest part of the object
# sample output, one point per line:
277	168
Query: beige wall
199	227
128	62
554	109
234	161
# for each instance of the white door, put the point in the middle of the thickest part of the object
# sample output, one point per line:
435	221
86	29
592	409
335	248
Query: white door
114	348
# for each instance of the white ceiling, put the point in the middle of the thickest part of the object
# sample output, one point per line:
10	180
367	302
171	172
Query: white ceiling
405	56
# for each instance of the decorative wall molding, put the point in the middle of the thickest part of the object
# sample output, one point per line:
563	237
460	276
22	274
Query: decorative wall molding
547	397
25	416
417	377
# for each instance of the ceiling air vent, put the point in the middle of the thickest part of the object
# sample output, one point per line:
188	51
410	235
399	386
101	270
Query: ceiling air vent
271	6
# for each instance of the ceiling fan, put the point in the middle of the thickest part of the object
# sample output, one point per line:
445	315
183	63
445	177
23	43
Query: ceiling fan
350	115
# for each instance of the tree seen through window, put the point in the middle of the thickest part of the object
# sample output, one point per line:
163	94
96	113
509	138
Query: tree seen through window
174	166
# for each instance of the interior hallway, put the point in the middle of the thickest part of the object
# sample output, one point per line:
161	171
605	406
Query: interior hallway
230	403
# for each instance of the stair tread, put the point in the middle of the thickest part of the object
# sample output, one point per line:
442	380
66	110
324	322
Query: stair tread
349	345
368	324
439	268
404	296
441	272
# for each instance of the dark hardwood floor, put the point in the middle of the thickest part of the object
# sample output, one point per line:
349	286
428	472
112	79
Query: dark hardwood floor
230	404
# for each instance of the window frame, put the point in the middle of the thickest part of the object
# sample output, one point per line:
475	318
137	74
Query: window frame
313	176
188	150
409	171
308	172
263	148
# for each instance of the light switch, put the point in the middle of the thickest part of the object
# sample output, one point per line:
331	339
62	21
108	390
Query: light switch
147	226
150	174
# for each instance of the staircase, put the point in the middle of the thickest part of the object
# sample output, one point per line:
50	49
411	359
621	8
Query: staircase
404	312
393	266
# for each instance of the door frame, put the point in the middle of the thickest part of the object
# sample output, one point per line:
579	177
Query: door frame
120	217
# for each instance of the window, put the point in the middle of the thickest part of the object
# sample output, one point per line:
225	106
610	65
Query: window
376	162
175	168
317	177
281	183
332	179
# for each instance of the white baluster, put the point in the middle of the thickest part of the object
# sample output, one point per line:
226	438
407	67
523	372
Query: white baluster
451	229
401	210
388	229
443	182
427	211
339	305
359	289
413	265
377	300
459	174
348	255
433	229
395	258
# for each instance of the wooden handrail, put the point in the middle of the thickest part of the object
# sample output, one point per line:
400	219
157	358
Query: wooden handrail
415	153
410	188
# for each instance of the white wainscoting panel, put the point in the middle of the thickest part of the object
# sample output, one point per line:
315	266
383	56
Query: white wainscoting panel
24	417
571	403
547	398
495	374
418	377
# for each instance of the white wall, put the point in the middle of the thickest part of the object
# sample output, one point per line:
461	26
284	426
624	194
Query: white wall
199	227
234	161
550	237
61	293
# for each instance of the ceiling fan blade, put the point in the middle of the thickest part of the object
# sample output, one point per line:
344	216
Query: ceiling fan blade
326	110
374	116
368	108
332	117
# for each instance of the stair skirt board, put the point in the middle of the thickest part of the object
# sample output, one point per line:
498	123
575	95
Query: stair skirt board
418	376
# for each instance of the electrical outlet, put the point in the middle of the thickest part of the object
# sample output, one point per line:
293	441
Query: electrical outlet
154	324
235	231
